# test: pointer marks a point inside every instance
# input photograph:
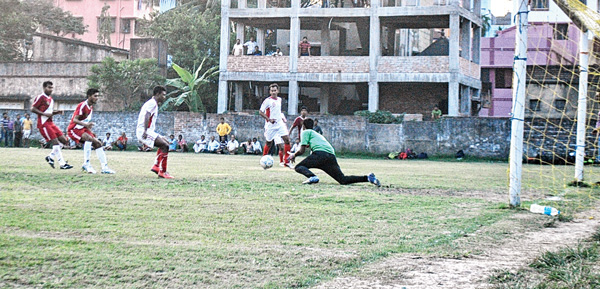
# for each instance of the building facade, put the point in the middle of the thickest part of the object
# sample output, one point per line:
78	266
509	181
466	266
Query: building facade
123	16
404	56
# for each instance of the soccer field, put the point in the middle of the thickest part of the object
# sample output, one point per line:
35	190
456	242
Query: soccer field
224	222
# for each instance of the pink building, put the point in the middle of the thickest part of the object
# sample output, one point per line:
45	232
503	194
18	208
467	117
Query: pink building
550	47
123	13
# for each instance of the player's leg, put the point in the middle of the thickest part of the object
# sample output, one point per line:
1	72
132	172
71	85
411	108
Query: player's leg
270	135
163	147
53	135
314	160
332	168
90	141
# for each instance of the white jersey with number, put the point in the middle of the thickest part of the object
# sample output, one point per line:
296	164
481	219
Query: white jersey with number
151	106
272	108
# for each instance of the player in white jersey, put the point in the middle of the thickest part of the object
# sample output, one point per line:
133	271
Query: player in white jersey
145	133
275	126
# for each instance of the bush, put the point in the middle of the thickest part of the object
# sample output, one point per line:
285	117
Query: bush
380	116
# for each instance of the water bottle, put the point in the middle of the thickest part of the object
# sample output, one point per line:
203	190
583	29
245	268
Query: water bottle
550	211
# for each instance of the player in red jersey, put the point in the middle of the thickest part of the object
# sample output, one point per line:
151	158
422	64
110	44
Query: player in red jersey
275	126
80	130
43	106
298	122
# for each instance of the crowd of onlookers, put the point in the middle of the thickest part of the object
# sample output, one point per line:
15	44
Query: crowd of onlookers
15	132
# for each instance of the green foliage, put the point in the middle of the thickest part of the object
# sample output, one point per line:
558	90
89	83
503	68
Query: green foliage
127	82
380	116
20	19
105	28
192	31
188	86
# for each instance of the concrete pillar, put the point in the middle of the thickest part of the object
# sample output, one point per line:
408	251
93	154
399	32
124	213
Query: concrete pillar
453	86
476	45
477	7
260	39
293	98
465	100
239	96
224	53
240	32
223	95
325	38
342	43
465	39
262	3
391	39
374	53
242	4
324	99
294	36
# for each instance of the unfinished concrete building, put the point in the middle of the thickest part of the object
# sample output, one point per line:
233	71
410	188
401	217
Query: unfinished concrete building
403	56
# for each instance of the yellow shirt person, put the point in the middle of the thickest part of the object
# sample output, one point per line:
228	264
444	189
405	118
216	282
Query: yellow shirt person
223	129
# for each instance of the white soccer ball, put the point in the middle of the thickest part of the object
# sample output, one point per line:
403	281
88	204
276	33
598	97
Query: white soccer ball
266	162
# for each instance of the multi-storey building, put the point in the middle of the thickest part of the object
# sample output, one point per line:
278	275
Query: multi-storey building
123	17
404	56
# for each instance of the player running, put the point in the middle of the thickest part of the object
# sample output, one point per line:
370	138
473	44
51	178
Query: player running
80	130
275	126
323	157
43	106
145	133
298	122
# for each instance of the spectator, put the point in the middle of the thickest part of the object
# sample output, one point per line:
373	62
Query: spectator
223	129
213	145
27	125
18	131
296	146
256	147
250	46
278	52
317	128
7	130
304	47
247	146
122	142
436	113
107	142
232	146
183	147
238	48
222	147
257	51
172	143
201	145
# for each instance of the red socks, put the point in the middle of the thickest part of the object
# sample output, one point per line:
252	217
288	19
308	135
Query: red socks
266	150
161	160
286	149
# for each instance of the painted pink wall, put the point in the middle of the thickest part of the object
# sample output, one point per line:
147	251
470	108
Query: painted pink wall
542	49
90	11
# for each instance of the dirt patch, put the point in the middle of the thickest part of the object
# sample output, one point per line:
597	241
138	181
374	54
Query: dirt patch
419	271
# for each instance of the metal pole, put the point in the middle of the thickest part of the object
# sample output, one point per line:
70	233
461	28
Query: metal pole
518	110
582	104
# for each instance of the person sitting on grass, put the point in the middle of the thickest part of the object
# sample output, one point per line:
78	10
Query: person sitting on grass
232	146
172	143
201	145
183	147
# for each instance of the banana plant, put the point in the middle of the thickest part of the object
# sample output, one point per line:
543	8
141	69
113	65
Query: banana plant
187	86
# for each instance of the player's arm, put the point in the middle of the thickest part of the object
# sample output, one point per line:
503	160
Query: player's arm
39	112
264	115
300	152
146	122
78	121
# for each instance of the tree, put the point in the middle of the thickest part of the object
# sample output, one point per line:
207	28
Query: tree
20	19
188	86
105	28
127	82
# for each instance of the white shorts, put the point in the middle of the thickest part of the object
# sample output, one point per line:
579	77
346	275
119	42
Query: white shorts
26	133
151	136
275	133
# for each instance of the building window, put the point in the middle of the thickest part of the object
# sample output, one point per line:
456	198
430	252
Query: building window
561	31
539	5
559	104
503	78
535	104
126	25
113	24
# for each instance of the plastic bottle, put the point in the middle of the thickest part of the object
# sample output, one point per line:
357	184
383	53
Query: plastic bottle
550	211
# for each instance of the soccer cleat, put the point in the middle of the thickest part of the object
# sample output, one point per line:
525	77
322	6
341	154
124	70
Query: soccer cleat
373	180
311	180
155	169
289	165
50	161
282	164
88	169
107	170
165	175
66	166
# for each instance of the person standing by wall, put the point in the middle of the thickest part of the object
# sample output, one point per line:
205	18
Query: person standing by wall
18	126
27	125
304	47
223	129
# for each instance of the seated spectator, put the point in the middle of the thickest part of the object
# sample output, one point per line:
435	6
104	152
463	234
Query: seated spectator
256	147
257	51
213	145
246	146
107	142
183	147
278	52
122	142
201	145
172	143
232	146
296	146
222	147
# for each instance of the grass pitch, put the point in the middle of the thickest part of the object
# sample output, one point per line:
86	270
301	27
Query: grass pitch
226	223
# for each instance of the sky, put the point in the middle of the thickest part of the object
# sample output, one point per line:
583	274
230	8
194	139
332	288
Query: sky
501	7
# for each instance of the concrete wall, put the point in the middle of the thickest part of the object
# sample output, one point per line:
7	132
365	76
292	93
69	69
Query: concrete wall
483	137
53	48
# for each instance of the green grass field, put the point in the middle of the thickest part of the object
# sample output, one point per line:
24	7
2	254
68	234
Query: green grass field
226	223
